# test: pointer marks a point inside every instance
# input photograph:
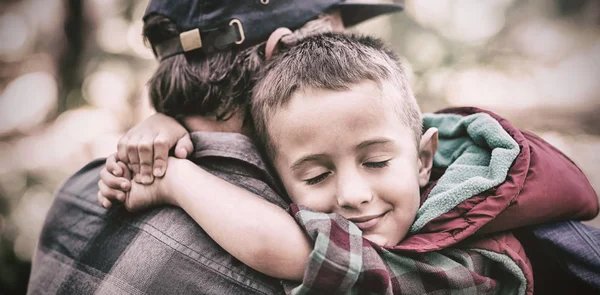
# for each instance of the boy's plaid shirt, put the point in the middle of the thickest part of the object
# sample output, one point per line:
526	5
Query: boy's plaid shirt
343	262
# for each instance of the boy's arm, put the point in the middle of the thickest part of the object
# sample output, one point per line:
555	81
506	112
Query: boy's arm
258	233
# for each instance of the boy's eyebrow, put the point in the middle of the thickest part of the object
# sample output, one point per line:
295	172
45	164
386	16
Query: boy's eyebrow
297	164
373	141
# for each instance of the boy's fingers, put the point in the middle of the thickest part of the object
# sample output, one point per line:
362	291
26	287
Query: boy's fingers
184	147
110	194
112	166
146	157
122	149
126	172
161	153
113	182
134	160
104	201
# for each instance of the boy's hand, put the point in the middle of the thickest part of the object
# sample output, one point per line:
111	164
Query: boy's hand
145	148
115	185
159	192
115	182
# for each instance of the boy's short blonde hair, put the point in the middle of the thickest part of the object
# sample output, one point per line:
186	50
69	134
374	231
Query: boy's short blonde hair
330	62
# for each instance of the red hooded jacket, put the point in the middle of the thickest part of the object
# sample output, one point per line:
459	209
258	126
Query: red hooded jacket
542	185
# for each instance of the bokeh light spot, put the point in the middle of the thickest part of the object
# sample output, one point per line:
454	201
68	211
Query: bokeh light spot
27	101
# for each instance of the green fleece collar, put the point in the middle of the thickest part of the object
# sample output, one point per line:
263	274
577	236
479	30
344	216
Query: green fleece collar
477	153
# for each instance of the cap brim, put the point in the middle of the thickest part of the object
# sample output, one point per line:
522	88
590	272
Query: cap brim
354	12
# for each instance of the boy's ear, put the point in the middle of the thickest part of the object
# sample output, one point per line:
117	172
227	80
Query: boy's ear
427	148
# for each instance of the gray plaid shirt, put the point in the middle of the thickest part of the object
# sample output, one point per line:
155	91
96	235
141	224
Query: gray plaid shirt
86	249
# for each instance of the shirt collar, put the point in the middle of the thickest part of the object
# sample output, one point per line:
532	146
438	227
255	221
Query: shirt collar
229	145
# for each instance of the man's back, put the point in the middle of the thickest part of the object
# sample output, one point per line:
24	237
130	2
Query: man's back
85	248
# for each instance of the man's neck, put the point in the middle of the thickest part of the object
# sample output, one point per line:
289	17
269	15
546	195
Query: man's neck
235	124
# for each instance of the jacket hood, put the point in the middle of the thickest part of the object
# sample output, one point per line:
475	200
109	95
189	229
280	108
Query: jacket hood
489	176
475	152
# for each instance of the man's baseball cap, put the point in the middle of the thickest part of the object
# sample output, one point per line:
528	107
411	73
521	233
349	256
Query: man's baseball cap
214	25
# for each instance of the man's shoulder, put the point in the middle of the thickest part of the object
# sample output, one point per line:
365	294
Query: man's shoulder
84	244
235	158
84	181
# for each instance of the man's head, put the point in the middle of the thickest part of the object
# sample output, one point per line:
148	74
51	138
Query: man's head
344	131
211	50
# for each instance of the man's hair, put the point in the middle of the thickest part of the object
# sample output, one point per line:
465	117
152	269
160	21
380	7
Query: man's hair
330	62
193	84
215	85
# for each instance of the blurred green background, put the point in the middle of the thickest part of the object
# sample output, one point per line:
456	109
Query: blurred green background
73	74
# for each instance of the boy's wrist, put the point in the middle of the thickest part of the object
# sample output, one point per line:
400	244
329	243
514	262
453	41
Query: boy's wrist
168	183
179	173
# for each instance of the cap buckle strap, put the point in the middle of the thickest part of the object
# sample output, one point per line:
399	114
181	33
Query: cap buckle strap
214	40
190	40
237	22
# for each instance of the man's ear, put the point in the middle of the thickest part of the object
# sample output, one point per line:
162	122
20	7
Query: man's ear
427	148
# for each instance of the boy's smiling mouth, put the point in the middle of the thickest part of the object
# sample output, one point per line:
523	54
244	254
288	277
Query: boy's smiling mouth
367	222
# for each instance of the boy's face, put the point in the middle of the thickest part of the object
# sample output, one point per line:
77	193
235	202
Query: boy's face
347	152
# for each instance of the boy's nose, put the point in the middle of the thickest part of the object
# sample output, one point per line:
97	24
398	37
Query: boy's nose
353	191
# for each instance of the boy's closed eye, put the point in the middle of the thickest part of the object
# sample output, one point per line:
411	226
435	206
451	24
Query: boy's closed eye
321	177
317	179
380	164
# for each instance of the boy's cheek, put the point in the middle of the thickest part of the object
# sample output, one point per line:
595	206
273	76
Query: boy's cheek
312	198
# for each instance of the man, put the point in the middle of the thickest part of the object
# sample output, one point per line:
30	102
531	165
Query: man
87	249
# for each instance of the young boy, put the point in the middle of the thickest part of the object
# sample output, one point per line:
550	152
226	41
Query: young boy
343	130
